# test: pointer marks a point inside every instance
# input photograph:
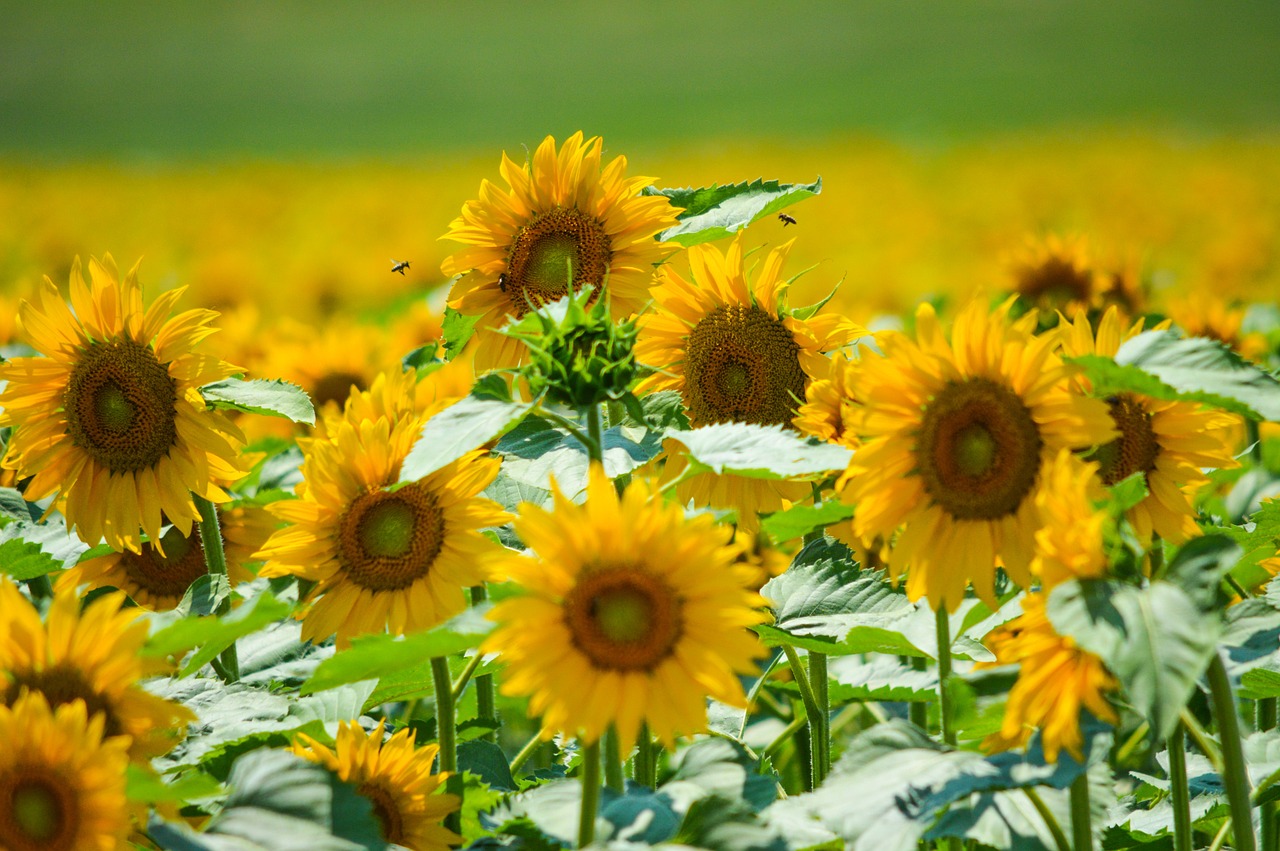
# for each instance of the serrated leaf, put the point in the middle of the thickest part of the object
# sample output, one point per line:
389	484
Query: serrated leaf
660	411
270	397
456	330
29	548
1259	684
760	452
1251	637
720	767
22	560
204	596
1199	567
458	429
799	520
876	678
535	452
714	212
214	634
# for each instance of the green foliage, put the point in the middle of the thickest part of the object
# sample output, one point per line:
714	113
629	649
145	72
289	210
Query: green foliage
457	329
214	634
760	452
29	547
800	520
715	211
269	397
458	429
535	452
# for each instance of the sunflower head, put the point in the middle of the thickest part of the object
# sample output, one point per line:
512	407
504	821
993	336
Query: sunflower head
1070	543
830	404
640	607
110	417
1056	274
1204	315
563	224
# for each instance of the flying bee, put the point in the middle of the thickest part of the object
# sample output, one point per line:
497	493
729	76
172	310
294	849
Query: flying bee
786	220
399	266
502	281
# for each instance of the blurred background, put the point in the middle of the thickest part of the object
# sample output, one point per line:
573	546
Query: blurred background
277	156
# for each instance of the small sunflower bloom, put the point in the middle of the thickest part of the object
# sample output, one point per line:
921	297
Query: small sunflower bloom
110	418
830	404
1202	315
1070	544
62	779
397	780
640	608
956	437
91	656
562	215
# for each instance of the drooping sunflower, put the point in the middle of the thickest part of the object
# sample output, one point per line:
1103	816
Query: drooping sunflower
1070	544
642	609
62	780
397	779
91	656
1168	442
735	353
956	436
111	418
561	214
1055	680
156	579
384	559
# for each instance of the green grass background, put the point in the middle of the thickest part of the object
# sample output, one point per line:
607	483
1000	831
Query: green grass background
322	78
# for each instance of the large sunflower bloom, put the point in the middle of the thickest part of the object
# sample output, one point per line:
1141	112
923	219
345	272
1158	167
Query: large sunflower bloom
396	778
641	609
62	781
956	438
91	656
384	559
1055	680
1168	442
561	212
735	353
111	418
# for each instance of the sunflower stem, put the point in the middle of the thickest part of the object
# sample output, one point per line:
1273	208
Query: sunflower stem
215	561
1155	557
40	587
919	710
943	624
1046	815
590	794
1266	720
813	712
1178	786
822	730
460	684
567	425
595	438
1237	781
1081	821
529	749
486	704
613	761
446	735
1254	437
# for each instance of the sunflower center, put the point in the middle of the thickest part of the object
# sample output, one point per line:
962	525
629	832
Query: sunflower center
119	405
1137	447
37	813
979	450
389	540
62	684
742	365
623	618
558	243
1057	283
336	387
386	811
171	574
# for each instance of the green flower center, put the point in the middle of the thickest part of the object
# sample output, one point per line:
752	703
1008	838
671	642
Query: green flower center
37	812
387	529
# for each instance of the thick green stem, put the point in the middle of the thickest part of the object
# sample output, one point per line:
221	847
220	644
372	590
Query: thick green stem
1254	437
215	561
645	765
1081	821
613	761
447	734
40	587
1178	786
1237	781
1155	557
1046	815
486	705
590	794
812	711
1266	720
595	438
944	675
821	730
919	710
529	749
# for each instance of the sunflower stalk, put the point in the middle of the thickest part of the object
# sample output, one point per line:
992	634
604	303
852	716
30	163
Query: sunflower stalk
215	560
1234	776
486	704
447	736
613	776
943	624
1179	789
1081	823
821	732
1270	833
645	766
590	794
813	712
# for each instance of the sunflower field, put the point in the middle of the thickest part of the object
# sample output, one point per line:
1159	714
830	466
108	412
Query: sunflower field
823	493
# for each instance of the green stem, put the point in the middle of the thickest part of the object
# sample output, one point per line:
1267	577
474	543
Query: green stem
215	560
1237	781
529	749
1266	720
590	794
1155	557
919	710
822	730
1081	821
613	761
1178	785
944	674
1221	836
812	710
1254	436
447	735
567	425
460	684
40	587
1046	815
595	444
1201	740
785	736
646	762
486	703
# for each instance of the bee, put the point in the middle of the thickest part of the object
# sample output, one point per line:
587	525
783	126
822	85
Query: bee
399	266
786	220
502	281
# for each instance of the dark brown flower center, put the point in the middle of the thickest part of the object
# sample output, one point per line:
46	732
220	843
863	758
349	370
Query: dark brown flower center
170	575
1137	447
978	450
742	365
38	811
623	618
119	405
385	810
336	387
390	539
63	684
544	254
1056	283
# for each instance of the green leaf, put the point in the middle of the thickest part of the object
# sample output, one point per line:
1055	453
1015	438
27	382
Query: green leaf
535	452
716	211
800	520
215	634
1128	492
1252	637
719	824
760	452
1156	640
1199	567
144	785
271	397
421	357
721	767
456	330
21	559
374	656
660	411
486	761
29	548
1259	684
458	429
204	596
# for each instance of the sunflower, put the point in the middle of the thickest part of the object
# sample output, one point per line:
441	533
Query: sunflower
396	778
111	419
1202	315
562	215
91	657
384	558
1055	274
1167	441
830	403
1055	679
759	556
400	393
1070	544
956	439
62	781
641	609
735	353
157	580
